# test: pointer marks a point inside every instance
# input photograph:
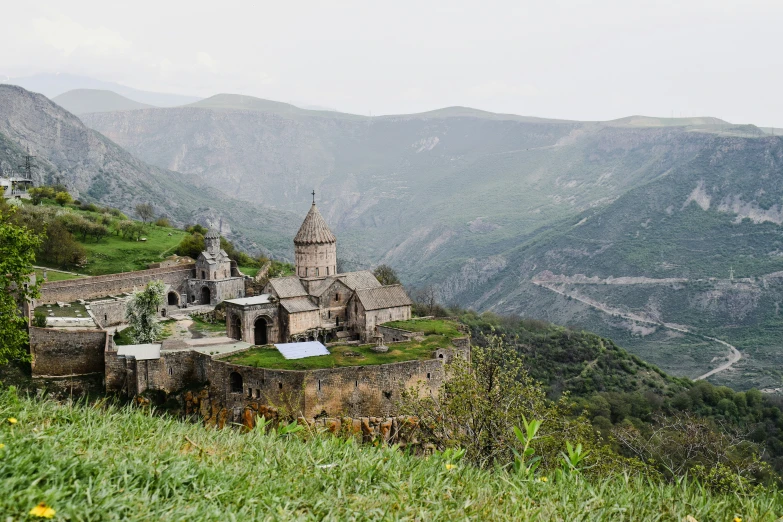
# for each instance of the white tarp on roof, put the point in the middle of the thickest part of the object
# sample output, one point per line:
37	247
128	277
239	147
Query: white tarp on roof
141	352
302	350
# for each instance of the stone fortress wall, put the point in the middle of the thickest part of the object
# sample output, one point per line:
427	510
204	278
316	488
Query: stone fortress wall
58	353
372	390
113	284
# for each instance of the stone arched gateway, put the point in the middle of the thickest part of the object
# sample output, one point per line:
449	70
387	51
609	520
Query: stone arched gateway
235	327
261	332
173	298
206	296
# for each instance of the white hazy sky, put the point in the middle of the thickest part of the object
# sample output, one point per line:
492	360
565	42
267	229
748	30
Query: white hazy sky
588	60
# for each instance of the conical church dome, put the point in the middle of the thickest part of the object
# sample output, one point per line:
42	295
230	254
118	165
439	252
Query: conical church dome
314	230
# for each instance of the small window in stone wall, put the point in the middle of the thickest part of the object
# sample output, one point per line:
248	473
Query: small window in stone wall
337	297
280	385
250	393
171	371
258	393
356	384
440	356
428	375
319	384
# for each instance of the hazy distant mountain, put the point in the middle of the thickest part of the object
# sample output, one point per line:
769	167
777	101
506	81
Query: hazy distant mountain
83	101
96	169
426	192
52	85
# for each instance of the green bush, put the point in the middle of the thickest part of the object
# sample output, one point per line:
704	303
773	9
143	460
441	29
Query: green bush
39	319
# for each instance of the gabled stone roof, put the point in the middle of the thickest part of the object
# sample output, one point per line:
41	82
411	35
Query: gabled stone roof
383	297
285	287
297	304
360	279
314	229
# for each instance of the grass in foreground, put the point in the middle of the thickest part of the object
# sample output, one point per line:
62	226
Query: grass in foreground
341	356
110	463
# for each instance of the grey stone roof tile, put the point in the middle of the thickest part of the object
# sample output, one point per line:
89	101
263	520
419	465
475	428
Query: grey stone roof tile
314	229
297	304
383	297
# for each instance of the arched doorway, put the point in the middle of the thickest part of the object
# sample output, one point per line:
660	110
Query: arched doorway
236	327
260	334
205	296
173	299
235	380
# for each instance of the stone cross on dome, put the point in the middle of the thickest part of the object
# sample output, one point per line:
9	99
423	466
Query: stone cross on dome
313	196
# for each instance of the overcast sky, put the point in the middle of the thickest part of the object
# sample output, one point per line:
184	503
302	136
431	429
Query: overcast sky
587	60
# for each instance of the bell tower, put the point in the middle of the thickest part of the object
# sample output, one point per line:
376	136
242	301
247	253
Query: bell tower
315	247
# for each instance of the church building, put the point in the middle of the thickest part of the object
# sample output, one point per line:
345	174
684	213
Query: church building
317	303
217	277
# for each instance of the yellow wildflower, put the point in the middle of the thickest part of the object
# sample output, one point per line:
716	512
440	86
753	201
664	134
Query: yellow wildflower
12	420
42	511
450	466
543	479
737	519
2	445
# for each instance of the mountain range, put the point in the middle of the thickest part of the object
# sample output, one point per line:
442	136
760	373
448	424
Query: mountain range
664	234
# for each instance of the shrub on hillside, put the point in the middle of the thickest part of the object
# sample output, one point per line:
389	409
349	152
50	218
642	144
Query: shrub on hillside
163	222
196	229
191	245
63	198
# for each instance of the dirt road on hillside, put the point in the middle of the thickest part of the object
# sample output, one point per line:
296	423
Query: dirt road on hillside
734	354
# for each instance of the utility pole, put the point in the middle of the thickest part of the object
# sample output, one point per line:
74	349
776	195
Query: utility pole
28	165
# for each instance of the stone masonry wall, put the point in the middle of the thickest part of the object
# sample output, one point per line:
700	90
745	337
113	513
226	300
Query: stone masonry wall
109	312
368	390
277	388
101	286
171	372
395	335
67	352
372	318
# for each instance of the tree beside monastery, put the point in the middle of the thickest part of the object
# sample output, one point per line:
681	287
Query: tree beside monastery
17	254
141	312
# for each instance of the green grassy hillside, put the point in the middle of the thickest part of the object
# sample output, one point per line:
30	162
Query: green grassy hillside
105	463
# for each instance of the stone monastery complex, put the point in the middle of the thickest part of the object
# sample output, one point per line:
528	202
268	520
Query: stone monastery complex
317	304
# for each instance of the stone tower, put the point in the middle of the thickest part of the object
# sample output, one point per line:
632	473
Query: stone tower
212	242
315	247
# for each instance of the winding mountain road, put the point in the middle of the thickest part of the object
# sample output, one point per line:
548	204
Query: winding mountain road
734	354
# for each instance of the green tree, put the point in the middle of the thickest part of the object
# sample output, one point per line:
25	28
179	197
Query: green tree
386	275
17	254
60	248
141	310
191	245
63	198
481	403
145	212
